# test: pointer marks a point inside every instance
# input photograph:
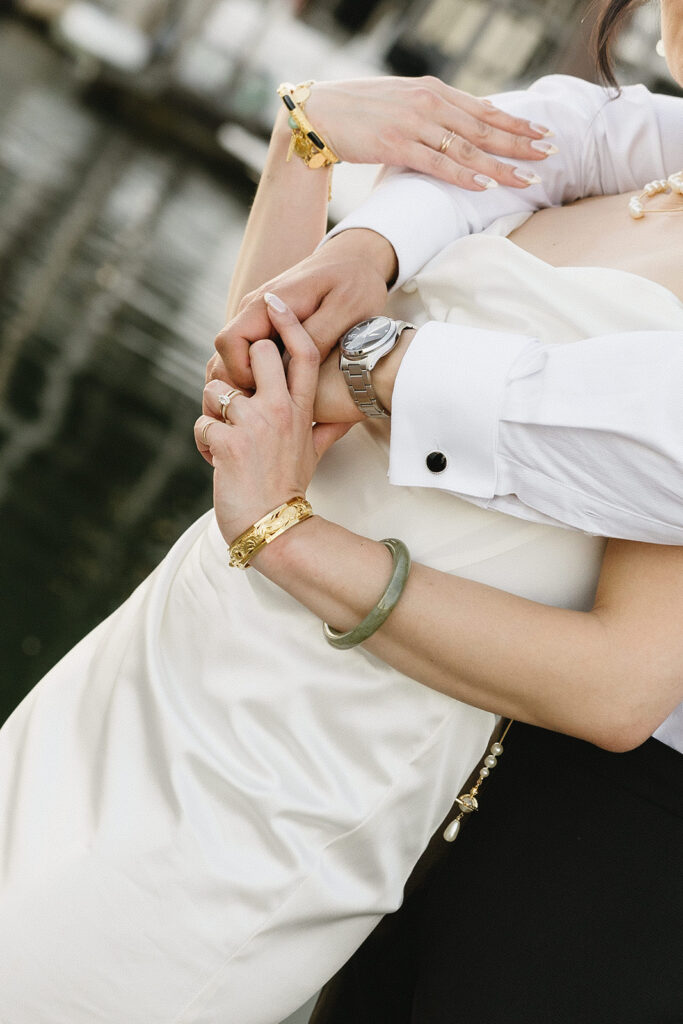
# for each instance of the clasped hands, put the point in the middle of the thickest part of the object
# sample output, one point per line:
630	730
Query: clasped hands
291	410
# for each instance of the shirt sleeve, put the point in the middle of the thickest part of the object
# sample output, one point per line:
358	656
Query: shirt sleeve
607	143
587	435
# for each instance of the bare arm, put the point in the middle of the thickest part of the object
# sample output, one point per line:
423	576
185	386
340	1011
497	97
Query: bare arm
610	676
287	220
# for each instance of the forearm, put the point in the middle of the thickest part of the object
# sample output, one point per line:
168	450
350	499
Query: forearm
287	220
547	666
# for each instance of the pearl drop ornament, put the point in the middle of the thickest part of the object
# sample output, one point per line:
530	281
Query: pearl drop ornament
490	761
497	749
451	832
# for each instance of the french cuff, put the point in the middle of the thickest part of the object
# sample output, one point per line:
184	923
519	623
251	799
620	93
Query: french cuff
415	214
446	407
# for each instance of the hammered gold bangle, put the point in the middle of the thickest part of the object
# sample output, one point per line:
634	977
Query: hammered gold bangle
266	529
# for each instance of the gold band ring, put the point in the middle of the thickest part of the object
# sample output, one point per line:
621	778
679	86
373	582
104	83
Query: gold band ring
225	400
446	141
205	430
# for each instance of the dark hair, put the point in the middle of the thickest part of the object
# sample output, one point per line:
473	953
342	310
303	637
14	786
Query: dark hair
611	16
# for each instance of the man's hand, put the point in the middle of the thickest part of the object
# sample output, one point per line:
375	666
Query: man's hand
333	401
342	283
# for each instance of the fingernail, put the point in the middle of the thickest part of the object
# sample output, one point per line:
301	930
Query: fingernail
277	304
484	181
487	103
544	147
542	130
528	177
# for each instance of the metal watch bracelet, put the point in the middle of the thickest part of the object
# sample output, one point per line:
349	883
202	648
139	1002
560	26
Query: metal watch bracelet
359	380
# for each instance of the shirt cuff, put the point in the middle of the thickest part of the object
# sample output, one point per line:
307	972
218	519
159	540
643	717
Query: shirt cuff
415	214
446	406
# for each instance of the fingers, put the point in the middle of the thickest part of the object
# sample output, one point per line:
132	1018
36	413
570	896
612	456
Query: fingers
468	136
441	165
269	373
304	365
208	432
486	111
233	343
326	434
220	401
492	139
466	155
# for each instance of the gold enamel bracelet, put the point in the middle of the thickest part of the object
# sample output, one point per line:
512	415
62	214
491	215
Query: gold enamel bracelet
306	142
266	529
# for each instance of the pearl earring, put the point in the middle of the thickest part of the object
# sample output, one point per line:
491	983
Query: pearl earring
659	48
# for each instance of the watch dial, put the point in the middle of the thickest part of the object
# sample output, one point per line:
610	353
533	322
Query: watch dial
366	336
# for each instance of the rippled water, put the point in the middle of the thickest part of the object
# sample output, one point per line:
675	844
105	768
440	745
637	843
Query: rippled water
115	257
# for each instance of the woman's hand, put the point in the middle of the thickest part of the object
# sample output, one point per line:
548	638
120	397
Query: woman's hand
405	122
267	449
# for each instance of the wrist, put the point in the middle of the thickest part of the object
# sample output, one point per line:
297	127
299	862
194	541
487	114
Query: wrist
369	246
280	558
384	374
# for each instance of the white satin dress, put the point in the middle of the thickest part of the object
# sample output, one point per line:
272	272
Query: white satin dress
204	807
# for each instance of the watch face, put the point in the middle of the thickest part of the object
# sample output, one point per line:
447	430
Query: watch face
366	336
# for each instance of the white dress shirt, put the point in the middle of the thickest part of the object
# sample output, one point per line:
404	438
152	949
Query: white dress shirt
587	434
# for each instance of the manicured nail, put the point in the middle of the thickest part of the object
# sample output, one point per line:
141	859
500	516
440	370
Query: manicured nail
545	147
484	181
277	304
528	177
487	103
542	130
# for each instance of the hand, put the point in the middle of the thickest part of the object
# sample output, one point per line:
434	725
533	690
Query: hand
336	287
404	121
267	449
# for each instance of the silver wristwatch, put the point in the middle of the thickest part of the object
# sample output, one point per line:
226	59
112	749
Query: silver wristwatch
361	348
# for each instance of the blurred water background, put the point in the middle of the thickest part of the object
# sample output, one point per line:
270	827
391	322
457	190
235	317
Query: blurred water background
131	136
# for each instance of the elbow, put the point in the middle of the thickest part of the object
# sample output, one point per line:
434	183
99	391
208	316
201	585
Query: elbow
623	726
619	739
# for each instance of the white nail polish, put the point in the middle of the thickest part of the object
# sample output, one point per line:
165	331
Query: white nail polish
542	130
528	177
277	304
484	181
545	147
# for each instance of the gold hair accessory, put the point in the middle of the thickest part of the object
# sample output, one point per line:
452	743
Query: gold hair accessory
467	802
266	529
673	185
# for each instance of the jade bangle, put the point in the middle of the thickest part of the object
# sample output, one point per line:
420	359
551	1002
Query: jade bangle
384	607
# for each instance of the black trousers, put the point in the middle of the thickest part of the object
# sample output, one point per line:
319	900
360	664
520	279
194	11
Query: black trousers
561	902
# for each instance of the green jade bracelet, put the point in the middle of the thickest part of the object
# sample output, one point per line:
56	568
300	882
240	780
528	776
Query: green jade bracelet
384	607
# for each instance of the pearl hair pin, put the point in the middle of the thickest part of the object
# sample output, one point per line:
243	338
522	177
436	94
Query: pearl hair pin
671	185
467	802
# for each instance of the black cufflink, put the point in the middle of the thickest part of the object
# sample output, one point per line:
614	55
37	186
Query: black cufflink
436	462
